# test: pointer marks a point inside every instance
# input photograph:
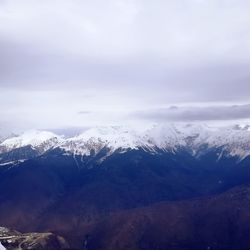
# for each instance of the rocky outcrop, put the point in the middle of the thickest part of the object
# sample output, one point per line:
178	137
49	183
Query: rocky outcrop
13	240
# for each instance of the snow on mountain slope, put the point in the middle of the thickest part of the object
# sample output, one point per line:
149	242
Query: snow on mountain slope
174	136
232	140
97	138
41	140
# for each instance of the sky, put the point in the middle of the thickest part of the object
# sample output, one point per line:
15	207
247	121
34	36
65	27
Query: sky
79	63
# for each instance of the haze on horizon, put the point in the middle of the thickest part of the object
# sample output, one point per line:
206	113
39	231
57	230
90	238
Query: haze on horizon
72	63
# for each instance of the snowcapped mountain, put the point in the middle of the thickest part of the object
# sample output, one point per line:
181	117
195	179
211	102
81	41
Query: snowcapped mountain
27	146
40	140
232	141
158	137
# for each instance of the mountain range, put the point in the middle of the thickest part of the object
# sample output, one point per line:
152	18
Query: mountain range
232	141
178	187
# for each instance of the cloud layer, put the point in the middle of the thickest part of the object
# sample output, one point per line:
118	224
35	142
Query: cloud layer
193	114
109	59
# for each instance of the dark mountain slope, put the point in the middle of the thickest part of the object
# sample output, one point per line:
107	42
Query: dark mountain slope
221	222
71	195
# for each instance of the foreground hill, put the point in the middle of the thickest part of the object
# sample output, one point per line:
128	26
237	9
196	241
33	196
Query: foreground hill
219	222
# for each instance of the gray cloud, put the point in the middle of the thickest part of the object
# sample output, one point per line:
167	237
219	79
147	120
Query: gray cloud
192	114
208	81
113	57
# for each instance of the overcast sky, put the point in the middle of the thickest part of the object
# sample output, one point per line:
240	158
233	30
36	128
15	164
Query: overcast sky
78	63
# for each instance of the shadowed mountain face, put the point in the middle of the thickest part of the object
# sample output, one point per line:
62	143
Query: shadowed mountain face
113	202
219	222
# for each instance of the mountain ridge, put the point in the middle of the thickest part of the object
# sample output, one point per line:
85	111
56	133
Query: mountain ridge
231	140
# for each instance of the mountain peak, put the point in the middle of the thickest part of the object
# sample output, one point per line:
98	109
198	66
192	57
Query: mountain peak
33	138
